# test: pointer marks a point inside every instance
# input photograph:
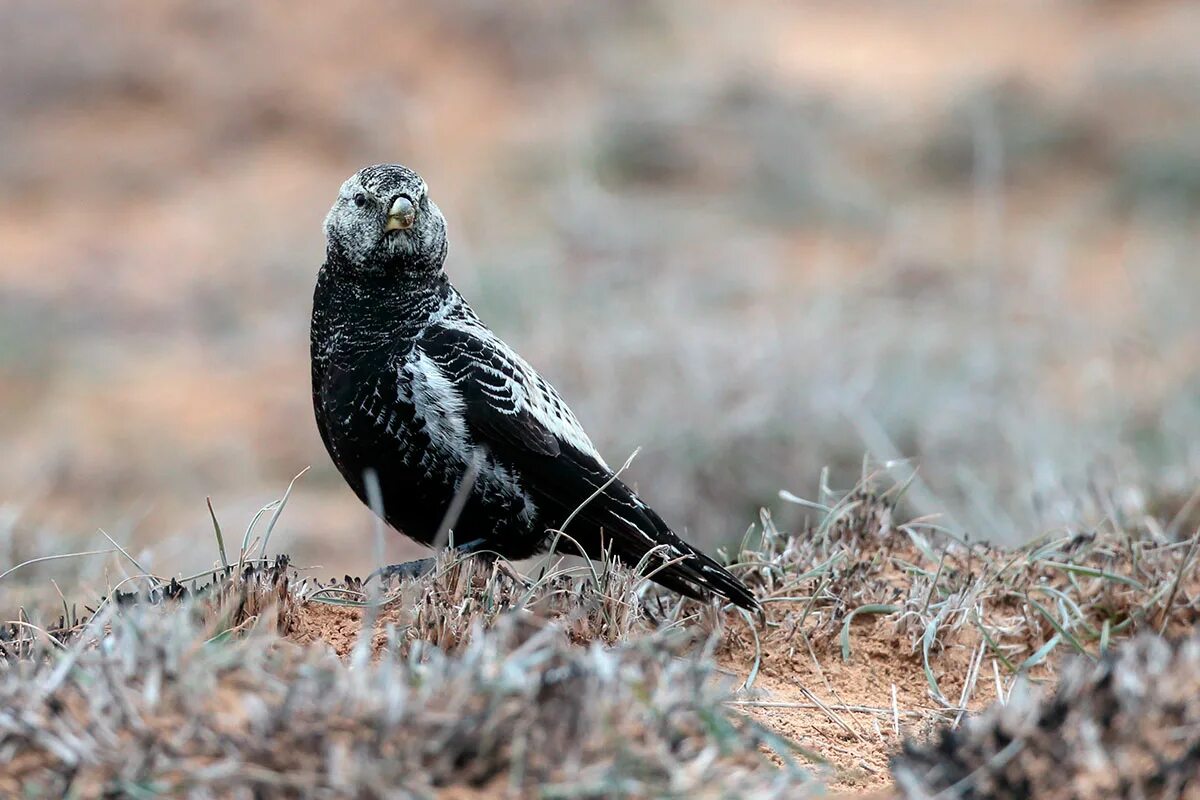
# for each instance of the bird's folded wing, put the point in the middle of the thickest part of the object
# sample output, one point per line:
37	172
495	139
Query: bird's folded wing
506	403
521	420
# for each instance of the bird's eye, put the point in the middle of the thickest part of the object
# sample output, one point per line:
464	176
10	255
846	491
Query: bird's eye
360	199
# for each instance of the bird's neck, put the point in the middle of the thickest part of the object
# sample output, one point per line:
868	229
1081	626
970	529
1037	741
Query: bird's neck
379	310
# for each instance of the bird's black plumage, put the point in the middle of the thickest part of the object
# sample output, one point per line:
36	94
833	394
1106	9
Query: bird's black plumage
409	384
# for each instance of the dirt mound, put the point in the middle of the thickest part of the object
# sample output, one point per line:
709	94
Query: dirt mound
254	716
874	632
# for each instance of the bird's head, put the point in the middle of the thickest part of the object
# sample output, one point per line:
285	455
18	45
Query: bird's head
383	222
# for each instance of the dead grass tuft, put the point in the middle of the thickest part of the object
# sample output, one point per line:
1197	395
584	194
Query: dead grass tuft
225	601
158	706
1127	726
1075	591
604	603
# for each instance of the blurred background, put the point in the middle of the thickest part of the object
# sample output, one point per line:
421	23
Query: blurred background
753	239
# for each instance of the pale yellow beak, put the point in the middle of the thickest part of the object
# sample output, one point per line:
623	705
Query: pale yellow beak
401	215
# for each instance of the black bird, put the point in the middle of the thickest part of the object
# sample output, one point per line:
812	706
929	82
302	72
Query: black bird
410	386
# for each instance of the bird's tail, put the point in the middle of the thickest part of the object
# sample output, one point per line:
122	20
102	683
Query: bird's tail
686	570
626	527
696	575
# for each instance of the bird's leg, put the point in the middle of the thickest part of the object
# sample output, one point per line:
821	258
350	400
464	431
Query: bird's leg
415	569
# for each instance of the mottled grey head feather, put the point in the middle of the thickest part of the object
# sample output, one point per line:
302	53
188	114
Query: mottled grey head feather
355	226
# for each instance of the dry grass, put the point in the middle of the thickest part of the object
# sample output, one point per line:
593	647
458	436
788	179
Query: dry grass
881	628
1127	726
1073	591
876	629
606	604
227	601
145	703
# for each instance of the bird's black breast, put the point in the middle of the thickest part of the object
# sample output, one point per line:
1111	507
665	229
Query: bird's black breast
392	411
370	424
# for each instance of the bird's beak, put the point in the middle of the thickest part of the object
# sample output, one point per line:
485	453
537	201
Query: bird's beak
401	215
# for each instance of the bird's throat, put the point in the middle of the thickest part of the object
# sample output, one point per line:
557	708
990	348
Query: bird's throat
383	310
